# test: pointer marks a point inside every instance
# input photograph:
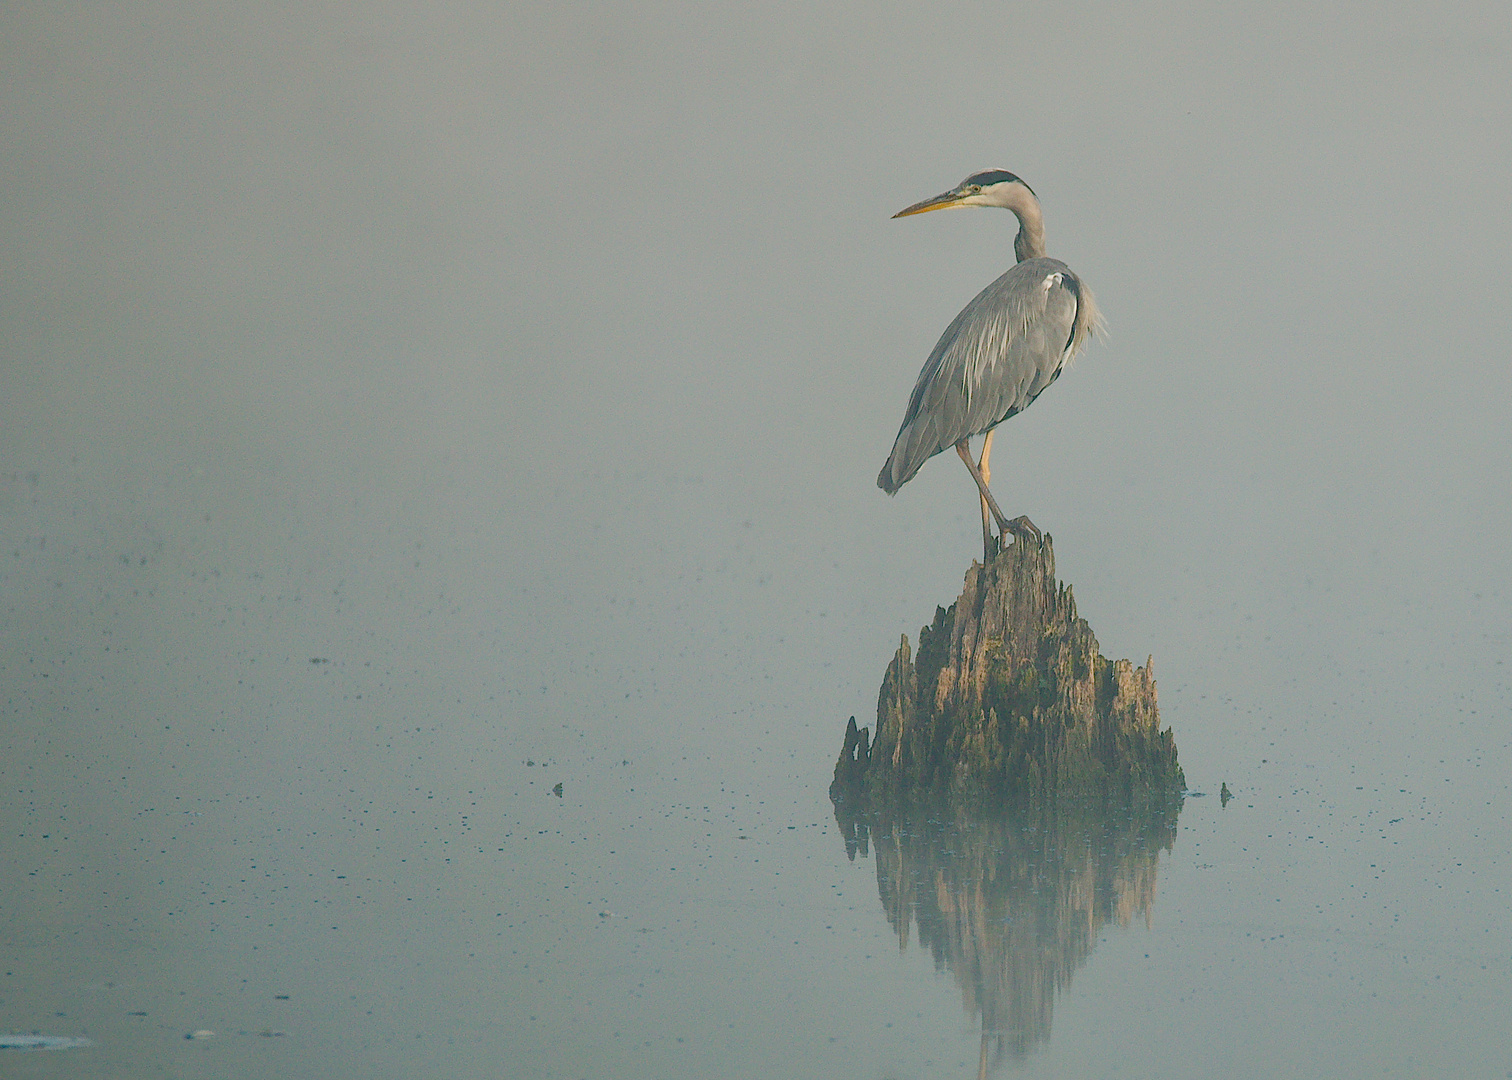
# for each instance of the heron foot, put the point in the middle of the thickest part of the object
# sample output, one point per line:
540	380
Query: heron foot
1022	526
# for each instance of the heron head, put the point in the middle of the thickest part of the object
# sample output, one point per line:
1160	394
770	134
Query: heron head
995	187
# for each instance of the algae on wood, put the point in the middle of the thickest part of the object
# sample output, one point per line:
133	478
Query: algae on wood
1008	699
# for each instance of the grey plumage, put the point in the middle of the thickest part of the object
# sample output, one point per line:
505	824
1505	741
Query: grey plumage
1002	350
993	360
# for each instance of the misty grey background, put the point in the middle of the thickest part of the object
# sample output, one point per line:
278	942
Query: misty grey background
531	367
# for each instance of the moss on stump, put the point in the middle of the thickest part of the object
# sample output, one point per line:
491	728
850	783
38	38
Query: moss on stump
1008	700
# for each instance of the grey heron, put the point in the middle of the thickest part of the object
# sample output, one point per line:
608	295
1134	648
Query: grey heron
998	354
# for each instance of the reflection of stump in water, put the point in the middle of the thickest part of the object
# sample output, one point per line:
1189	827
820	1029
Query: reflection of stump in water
1012	904
1016	795
1008	700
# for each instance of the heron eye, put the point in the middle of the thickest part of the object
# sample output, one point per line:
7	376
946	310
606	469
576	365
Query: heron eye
976	189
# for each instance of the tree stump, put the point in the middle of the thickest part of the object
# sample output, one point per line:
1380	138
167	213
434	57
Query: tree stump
1009	700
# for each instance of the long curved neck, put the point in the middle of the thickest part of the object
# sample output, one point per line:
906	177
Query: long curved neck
1030	241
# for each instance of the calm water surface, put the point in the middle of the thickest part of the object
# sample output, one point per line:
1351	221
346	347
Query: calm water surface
401	416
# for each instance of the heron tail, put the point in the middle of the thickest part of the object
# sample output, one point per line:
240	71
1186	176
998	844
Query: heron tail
909	453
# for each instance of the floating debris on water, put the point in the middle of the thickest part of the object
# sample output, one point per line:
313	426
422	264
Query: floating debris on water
202	1034
557	791
41	1042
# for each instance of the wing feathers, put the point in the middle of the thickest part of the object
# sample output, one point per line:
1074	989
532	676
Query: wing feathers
995	357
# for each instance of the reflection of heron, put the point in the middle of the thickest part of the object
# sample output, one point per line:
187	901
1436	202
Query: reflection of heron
998	354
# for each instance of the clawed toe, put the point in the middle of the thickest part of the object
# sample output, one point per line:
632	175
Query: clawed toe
1022	526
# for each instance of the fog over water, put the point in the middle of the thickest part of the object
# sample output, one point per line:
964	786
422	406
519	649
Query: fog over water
402	413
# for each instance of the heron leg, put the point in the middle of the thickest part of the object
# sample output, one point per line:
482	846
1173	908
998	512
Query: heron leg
986	513
1019	526
964	450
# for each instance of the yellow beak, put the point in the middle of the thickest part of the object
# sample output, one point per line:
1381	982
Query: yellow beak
939	202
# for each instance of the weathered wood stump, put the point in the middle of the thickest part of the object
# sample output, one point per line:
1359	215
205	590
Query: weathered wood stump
1009	700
